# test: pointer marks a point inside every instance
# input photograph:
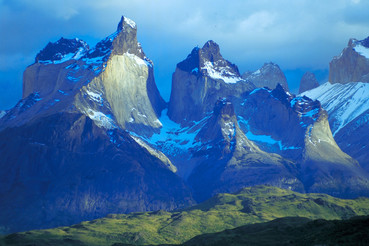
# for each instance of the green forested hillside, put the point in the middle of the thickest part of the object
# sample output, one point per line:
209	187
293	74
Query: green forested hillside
224	211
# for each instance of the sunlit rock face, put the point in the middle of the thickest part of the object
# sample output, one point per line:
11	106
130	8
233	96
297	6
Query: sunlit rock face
114	78
348	109
352	65
269	75
68	148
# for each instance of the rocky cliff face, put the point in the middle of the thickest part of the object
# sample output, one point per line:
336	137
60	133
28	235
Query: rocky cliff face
113	78
66	155
269	75
308	82
297	128
352	65
227	160
347	106
200	80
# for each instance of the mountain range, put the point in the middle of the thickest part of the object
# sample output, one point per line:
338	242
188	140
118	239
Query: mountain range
92	135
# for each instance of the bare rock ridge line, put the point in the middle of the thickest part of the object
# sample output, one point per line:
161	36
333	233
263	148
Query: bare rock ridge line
116	74
269	75
352	65
66	153
346	99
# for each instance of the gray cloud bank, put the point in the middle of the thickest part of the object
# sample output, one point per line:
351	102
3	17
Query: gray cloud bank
296	34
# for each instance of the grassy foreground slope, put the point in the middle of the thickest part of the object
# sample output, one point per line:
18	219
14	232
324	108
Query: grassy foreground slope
224	211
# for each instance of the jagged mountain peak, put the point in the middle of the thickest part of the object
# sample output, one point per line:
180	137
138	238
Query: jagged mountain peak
308	82
222	124
280	93
208	61
211	52
354	42
200	80
352	65
62	50
126	23
269	75
95	80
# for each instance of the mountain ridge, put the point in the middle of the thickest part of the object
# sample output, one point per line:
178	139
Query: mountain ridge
94	118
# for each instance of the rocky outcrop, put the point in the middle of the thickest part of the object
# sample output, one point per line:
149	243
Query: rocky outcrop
200	80
308	82
227	160
297	128
347	106
352	65
71	156
269	75
114	78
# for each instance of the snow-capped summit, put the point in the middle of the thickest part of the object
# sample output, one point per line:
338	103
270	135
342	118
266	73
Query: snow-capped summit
208	61
62	50
361	46
71	137
269	75
126	22
352	65
200	80
94	80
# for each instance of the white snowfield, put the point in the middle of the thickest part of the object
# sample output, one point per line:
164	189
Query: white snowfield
130	22
223	73
362	50
343	102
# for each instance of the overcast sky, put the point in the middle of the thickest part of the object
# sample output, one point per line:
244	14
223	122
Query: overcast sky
298	35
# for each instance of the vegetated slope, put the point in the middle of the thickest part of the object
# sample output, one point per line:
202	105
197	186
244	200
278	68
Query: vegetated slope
224	211
292	231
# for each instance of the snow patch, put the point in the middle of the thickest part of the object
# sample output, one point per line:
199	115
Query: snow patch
343	102
95	96
266	139
173	139
257	72
223	73
362	50
101	119
130	22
